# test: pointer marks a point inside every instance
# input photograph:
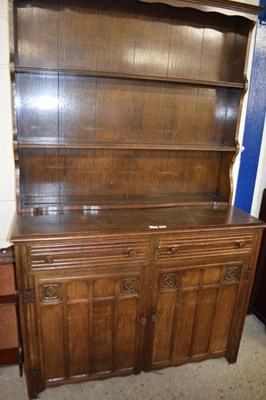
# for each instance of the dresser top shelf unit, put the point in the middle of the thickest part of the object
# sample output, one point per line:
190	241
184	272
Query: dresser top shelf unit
128	105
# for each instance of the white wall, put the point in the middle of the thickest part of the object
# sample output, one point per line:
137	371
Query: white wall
261	177
243	115
254	2
7	174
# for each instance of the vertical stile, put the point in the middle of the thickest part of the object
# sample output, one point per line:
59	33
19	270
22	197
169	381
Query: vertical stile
90	330
217	304
176	313
65	307
198	300
116	302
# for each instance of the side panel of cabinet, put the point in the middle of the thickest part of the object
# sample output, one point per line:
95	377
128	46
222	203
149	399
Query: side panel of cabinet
89	324
195	303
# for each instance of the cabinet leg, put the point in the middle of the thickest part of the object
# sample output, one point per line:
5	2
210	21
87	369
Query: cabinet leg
32	396
231	359
35	384
231	355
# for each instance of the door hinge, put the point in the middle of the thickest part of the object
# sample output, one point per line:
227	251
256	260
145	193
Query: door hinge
29	295
34	373
247	274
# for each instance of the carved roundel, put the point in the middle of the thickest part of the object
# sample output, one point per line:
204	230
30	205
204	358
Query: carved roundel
232	274
50	292
129	285
168	281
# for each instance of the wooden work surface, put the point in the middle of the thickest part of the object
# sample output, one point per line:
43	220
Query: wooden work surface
132	220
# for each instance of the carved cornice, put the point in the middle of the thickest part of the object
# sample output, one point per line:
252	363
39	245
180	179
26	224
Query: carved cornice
226	7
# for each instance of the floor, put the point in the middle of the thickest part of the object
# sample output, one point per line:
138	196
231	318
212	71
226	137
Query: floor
208	380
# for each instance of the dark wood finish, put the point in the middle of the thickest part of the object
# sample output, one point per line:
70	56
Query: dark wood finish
128	104
146	221
139	112
144	34
194	310
129	254
110	174
258	298
138	296
227	7
10	336
102	312
105	74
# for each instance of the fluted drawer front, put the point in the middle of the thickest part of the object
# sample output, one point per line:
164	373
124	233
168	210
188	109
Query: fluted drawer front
204	244
88	253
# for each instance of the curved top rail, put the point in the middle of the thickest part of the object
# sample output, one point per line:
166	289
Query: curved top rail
227	7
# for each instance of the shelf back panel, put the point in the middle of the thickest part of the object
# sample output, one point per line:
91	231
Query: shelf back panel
128	36
58	108
107	175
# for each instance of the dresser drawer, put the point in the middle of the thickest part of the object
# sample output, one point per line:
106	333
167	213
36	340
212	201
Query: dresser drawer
203	244
66	254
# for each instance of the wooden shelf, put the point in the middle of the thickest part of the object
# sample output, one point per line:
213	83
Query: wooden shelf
35	204
115	75
128	146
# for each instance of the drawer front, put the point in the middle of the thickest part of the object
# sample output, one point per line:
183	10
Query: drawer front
203	244
69	254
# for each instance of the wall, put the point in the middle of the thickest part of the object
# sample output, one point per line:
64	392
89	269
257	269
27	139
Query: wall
260	184
254	2
7	174
261	177
251	177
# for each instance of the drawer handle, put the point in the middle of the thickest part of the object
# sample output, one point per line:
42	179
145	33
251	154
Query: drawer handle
132	253
241	245
48	259
153	318
174	250
143	320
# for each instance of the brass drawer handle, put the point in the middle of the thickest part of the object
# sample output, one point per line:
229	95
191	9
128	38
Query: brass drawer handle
48	259
174	250
241	245
132	253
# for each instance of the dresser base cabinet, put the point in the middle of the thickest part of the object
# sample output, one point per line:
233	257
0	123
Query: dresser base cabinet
119	301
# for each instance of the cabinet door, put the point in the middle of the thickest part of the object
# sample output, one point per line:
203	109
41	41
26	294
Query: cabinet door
195	310
90	325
